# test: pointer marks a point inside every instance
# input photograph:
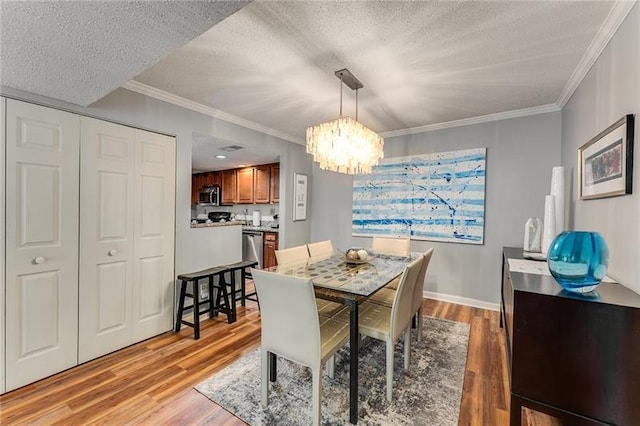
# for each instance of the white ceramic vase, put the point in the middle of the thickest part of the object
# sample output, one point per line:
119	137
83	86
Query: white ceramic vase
533	235
558	191
549	222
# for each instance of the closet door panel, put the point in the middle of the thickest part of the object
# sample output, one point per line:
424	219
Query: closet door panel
2	257
154	234
106	238
41	242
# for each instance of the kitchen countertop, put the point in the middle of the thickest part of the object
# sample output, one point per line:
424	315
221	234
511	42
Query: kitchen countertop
260	228
214	224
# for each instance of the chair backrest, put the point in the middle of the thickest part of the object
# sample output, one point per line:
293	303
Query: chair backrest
319	251
392	246
401	309
290	325
419	288
294	256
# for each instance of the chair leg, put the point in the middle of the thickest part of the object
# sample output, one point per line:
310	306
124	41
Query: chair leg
331	366
316	398
420	321
407	347
264	377
389	369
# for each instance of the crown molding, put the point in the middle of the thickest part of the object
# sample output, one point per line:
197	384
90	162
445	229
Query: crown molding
161	95
612	22
543	109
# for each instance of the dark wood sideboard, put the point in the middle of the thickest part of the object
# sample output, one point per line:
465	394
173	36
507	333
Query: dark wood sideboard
574	357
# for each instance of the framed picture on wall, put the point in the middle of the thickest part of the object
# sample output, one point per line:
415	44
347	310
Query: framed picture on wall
605	163
299	196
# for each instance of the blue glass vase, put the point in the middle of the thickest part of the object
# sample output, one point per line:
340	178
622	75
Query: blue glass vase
578	260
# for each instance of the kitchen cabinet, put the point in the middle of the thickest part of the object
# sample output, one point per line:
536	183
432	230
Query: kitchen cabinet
245	186
212	179
202	180
89	269
269	251
228	180
261	184
275	183
249	185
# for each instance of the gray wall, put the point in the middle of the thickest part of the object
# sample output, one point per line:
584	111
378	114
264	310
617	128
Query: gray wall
520	155
130	108
610	90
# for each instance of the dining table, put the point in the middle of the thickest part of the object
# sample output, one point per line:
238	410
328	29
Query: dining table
338	279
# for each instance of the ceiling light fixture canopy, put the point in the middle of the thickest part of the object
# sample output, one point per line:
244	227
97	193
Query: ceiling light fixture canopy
344	145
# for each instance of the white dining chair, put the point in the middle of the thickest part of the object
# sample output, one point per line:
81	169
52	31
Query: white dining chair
320	250
291	257
385	295
388	324
418	292
292	329
391	246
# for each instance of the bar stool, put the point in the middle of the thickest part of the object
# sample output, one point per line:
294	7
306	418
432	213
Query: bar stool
243	268
222	301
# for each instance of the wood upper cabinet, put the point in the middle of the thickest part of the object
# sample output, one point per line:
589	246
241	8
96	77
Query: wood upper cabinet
275	183
212	179
261	184
250	185
270	246
245	186
202	180
196	186
229	181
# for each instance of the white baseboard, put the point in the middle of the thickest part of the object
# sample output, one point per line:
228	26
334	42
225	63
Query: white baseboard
462	301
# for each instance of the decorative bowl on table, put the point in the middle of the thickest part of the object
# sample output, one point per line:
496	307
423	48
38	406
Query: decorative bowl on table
578	260
357	255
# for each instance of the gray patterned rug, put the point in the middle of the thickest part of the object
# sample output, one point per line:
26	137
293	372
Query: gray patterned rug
429	393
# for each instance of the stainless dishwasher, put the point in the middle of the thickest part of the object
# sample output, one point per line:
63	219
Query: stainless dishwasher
252	246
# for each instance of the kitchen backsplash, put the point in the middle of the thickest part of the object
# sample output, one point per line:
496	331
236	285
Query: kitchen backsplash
240	210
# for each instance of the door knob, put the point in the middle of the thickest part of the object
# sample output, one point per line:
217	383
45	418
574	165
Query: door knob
39	260
112	252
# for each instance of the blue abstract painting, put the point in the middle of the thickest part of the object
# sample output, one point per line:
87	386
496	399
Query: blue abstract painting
438	197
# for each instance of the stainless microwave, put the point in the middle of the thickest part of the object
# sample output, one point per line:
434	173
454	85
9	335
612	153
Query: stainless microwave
210	196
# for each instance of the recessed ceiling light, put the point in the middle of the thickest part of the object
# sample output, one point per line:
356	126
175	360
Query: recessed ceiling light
242	165
221	157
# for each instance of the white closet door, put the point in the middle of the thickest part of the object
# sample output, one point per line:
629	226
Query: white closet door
106	237
41	242
2	240
153	292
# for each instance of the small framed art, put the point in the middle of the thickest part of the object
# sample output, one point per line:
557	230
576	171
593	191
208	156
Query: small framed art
299	197
605	163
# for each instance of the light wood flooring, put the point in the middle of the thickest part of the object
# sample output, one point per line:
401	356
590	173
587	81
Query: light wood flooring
152	382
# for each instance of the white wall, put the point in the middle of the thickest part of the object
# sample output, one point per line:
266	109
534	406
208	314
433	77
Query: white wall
520	155
610	90
126	107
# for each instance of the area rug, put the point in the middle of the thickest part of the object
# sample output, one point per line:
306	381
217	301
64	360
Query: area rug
428	393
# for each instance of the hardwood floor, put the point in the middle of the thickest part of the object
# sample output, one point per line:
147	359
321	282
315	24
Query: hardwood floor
151	382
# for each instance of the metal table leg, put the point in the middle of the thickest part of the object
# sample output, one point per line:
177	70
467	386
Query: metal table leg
354	340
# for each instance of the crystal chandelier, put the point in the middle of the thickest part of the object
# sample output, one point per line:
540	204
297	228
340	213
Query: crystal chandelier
344	145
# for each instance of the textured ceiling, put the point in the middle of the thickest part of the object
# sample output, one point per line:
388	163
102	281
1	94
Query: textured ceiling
421	63
205	148
79	51
271	63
